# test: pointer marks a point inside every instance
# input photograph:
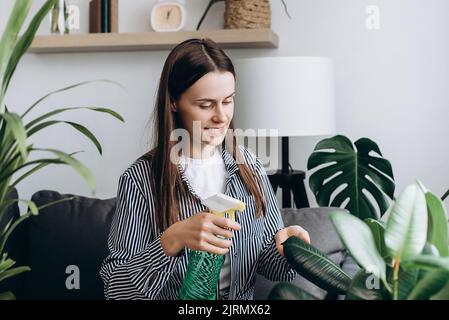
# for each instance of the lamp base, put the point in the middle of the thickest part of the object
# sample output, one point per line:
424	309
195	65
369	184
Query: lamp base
290	182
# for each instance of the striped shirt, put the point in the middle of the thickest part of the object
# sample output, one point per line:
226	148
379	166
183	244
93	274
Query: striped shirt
137	267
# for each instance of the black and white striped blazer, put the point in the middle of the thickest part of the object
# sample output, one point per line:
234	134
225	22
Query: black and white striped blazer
137	268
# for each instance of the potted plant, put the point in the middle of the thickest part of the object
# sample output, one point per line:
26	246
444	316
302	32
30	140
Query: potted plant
15	129
403	252
405	255
253	14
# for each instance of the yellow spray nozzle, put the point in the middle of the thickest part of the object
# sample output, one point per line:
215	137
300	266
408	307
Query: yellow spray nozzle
222	204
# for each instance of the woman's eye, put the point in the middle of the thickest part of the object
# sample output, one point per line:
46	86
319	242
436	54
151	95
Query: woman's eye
227	102
205	106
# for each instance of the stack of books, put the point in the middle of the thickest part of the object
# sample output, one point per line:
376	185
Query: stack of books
103	16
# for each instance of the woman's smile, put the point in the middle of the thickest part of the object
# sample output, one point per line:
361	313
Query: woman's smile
216	131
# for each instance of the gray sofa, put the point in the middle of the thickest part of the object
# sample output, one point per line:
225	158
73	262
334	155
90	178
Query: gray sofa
74	233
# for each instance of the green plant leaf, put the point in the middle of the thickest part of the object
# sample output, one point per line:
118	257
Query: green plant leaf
17	129
13	272
315	266
25	41
431	284
430	249
42	163
75	164
378	230
8	39
359	241
357	170
77	126
429	262
288	291
87	133
7	296
6	264
69	88
443	294
408	278
30	125
365	286
406	231
437	232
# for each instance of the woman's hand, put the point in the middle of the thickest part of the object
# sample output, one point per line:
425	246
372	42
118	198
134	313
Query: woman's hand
199	232
283	234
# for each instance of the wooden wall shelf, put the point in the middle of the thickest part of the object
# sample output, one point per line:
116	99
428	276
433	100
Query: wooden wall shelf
105	42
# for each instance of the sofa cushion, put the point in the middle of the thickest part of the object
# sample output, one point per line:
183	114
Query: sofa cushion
71	233
324	237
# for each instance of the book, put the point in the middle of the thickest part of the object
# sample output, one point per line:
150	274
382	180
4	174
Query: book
104	15
113	16
95	16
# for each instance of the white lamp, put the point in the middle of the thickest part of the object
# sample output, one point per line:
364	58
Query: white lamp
294	96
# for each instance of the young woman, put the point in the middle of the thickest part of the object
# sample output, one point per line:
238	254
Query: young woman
159	213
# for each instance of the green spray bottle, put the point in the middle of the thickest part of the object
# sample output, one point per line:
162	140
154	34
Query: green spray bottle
203	269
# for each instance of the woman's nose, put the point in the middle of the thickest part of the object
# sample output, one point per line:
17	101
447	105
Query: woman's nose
219	114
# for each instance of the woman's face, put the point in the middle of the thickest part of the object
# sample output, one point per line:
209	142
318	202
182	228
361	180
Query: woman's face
210	103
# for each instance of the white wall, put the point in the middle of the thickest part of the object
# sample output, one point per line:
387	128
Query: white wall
391	85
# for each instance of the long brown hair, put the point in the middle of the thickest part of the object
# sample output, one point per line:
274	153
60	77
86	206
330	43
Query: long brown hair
187	63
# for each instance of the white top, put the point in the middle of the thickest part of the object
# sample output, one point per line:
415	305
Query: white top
208	177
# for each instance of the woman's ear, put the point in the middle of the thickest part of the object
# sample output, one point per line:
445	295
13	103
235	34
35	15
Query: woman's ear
173	107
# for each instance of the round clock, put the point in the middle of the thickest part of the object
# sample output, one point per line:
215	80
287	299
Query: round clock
168	15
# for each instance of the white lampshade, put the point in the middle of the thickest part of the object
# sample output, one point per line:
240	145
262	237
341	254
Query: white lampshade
294	95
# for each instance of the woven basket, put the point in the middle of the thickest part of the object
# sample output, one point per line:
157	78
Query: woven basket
247	14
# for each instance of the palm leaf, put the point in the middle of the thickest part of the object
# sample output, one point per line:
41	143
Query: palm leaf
25	41
42	163
29	126
77	126
68	88
13	272
6	264
7	296
8	39
75	164
15	125
354	168
315	266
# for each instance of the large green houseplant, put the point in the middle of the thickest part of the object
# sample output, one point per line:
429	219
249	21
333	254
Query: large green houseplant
403	252
403	256
15	129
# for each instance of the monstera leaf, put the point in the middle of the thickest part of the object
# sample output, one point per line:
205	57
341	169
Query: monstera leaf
354	169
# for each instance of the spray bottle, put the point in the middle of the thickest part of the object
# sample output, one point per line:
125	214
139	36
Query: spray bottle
203	269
